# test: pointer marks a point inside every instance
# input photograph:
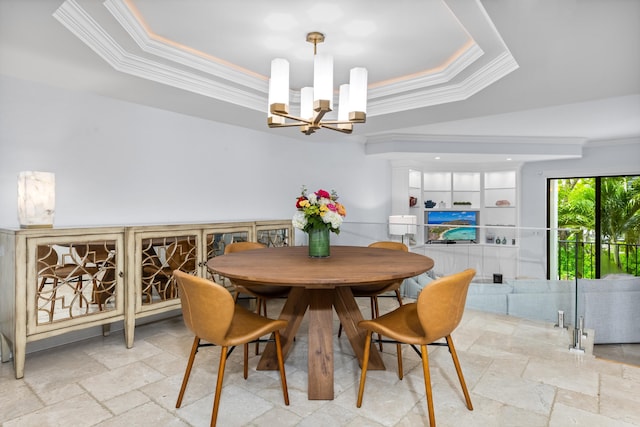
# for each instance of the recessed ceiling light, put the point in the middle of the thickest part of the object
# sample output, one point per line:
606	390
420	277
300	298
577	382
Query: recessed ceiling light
508	159
437	157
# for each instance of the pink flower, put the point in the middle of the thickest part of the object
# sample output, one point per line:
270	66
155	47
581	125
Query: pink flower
322	194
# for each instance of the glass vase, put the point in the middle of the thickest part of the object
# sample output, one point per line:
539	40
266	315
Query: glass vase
319	243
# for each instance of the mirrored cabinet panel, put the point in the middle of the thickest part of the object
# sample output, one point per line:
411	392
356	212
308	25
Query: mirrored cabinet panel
160	256
59	280
75	279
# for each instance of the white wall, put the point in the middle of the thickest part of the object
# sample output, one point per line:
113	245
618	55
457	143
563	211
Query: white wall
118	163
621	157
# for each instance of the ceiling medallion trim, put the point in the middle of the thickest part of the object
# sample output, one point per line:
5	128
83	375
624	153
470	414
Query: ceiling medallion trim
154	45
82	25
227	84
470	55
488	74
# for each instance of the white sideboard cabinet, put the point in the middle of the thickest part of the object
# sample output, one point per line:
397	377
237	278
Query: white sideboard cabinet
57	280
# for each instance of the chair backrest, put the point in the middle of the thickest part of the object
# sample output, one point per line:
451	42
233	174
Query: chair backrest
242	246
397	246
207	308
441	304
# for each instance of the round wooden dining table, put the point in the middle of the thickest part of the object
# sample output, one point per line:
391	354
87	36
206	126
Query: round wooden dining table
320	285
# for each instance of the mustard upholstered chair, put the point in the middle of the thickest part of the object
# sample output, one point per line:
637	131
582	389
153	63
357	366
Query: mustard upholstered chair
374	291
435	315
261	293
210	313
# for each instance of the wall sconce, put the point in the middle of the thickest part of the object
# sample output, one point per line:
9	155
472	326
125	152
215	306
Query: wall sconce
401	225
36	199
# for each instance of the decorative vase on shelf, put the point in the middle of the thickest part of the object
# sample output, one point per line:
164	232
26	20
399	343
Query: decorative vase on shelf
319	246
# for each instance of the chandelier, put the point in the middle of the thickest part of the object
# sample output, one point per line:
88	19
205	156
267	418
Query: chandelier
317	101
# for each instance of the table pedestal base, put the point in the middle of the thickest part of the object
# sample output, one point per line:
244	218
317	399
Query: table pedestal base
320	303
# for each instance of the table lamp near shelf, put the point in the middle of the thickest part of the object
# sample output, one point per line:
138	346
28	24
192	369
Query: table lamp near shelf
403	225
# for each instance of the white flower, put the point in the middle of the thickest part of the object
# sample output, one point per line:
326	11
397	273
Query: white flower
313	199
299	220
333	218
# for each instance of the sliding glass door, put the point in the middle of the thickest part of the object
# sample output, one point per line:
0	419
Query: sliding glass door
599	218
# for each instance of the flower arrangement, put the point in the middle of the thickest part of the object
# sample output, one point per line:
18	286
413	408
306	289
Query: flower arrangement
319	210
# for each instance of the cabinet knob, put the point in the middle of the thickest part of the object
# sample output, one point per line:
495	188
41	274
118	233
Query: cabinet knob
121	274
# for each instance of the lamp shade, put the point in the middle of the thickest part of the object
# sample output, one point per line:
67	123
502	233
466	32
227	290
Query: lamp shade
270	116
399	225
358	90
306	103
279	83
36	199
323	79
343	103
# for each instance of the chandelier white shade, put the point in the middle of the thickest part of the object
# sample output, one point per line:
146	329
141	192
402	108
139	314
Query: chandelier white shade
36	199
317	101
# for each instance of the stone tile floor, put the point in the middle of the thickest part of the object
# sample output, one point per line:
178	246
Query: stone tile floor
624	353
519	373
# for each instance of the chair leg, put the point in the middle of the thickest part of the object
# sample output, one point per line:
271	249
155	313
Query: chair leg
187	372
375	313
399	351
54	291
246	360
398	296
454	356
216	399
260	305
427	383
365	365
283	376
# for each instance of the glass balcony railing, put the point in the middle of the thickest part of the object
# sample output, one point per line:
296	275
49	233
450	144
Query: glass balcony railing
514	278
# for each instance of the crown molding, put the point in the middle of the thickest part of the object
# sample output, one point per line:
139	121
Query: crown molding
82	25
475	139
205	63
466	59
183	68
488	74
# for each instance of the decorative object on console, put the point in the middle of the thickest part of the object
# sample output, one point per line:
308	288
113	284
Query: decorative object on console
503	203
462	203
36	199
317	214
413	201
317	101
430	204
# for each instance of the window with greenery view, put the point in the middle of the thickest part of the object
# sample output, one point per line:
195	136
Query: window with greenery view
603	218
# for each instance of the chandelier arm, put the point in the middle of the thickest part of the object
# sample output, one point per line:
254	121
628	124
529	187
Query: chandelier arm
290	117
317	118
336	122
325	126
283	125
